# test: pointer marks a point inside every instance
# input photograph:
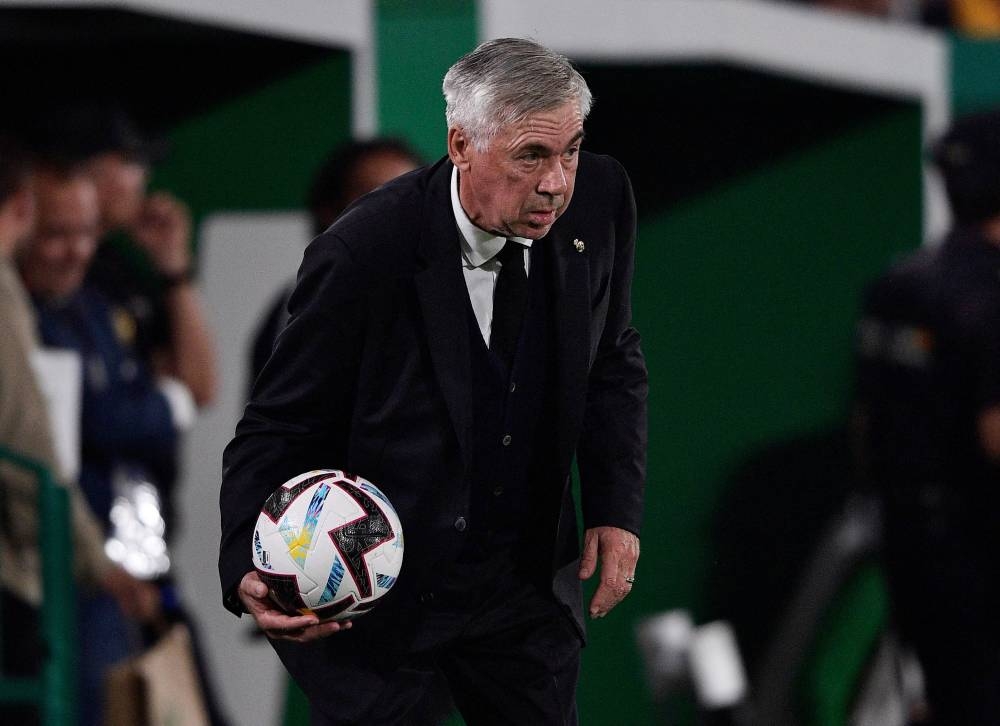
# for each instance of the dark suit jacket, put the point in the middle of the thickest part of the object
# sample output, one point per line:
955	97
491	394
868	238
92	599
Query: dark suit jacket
373	375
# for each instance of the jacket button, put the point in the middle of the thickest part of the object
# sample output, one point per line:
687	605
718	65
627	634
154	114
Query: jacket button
513	386
461	524
426	596
497	491
507	439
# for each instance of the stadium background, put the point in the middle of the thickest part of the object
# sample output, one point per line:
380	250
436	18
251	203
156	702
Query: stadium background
773	181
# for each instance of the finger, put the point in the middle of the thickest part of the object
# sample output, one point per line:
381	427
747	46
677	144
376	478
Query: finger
588	560
275	621
613	587
313	632
253	588
609	593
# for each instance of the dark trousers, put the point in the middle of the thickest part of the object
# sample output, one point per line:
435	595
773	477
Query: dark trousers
23	654
515	660
942	576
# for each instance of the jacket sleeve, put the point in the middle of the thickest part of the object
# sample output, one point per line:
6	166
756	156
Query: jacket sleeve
299	414
611	453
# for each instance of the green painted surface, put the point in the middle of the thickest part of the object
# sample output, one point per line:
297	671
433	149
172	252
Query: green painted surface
260	150
55	688
746	299
417	43
849	637
975	74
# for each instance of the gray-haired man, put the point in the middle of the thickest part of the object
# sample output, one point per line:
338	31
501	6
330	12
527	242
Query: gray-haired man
456	337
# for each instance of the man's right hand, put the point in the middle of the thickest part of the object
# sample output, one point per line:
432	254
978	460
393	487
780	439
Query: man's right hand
275	623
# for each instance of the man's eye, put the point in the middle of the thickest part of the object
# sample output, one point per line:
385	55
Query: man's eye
529	156
570	153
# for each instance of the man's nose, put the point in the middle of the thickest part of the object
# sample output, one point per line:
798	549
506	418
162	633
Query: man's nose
553	179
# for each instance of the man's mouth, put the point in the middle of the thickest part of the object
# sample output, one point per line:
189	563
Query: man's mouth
542	217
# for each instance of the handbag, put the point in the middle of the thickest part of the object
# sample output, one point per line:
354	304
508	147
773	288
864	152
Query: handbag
159	687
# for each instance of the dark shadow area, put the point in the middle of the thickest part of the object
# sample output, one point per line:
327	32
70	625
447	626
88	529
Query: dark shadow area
683	129
777	505
162	69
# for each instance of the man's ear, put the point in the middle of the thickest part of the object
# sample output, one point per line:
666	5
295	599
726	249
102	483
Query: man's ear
459	148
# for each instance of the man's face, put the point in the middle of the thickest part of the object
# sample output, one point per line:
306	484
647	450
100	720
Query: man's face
524	181
121	188
54	262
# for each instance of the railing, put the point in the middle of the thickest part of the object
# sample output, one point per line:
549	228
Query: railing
54	690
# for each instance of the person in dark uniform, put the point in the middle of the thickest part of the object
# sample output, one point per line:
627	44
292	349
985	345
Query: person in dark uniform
929	407
456	337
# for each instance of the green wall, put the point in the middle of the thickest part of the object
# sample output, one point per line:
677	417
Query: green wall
417	43
746	298
259	151
975	71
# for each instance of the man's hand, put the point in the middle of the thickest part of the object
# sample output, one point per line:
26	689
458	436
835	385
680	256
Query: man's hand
164	231
276	624
138	599
618	550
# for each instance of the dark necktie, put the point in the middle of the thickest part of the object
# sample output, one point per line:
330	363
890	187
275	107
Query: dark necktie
510	298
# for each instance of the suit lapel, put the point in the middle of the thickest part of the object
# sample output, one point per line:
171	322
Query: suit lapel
569	281
443	298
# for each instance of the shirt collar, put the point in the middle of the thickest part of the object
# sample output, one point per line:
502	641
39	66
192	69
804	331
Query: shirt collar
478	245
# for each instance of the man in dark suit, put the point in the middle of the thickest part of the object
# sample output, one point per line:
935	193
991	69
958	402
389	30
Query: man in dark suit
456	336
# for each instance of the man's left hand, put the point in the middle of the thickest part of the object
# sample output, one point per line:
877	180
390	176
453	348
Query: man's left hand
618	551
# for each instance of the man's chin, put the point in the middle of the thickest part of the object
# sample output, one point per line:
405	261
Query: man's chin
533	231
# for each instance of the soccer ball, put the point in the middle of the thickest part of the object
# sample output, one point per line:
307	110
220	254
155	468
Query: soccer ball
328	543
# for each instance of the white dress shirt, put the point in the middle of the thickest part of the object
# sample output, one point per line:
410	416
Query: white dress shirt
479	263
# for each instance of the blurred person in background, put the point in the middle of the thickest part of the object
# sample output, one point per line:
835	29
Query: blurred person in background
349	172
130	419
144	262
25	429
144	266
929	415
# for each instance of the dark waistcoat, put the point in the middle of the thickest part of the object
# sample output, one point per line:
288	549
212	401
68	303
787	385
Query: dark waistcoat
507	407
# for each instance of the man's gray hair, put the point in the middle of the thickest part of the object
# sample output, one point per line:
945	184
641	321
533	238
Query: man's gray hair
503	81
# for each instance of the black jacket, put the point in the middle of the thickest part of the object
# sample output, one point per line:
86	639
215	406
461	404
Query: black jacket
373	375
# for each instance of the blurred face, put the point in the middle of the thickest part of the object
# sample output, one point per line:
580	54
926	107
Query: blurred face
375	170
121	188
524	180
54	261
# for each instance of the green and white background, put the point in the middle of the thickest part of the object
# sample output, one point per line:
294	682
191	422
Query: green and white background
776	155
